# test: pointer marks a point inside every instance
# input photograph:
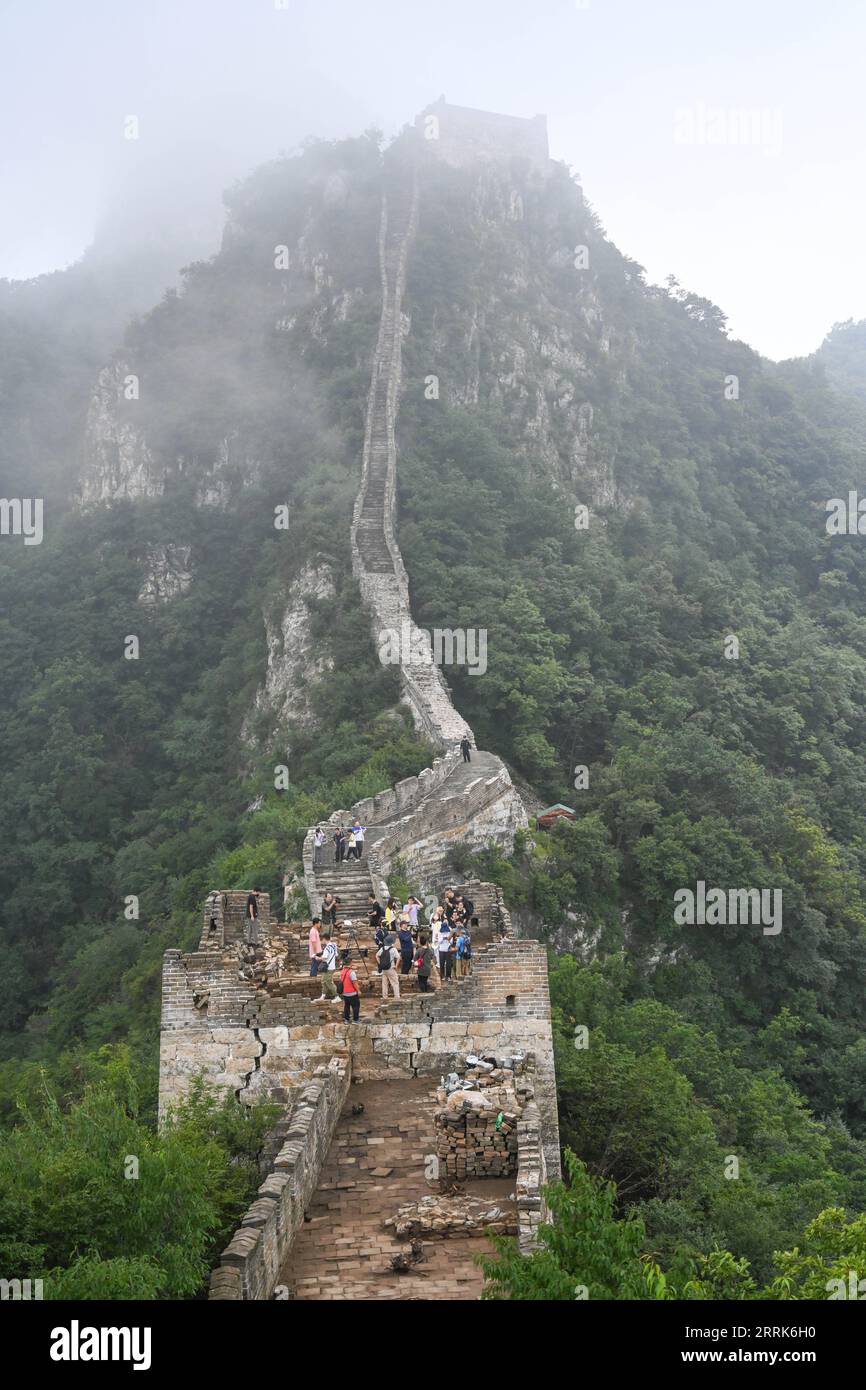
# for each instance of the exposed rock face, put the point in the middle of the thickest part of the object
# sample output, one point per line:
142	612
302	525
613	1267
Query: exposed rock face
118	462
532	342
293	662
168	573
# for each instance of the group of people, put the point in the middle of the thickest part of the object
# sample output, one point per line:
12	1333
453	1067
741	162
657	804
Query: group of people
348	843
402	943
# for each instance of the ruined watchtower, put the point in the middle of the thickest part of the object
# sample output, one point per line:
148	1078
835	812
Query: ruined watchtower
461	135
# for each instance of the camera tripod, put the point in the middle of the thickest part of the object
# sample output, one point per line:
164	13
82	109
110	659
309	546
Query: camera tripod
361	951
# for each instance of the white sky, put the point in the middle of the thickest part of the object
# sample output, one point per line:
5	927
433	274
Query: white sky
773	231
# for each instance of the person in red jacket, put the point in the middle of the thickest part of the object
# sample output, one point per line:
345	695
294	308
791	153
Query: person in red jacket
351	991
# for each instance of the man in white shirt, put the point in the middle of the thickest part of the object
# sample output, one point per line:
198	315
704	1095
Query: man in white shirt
327	959
388	958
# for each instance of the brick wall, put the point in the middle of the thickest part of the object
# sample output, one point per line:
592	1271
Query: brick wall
250	1264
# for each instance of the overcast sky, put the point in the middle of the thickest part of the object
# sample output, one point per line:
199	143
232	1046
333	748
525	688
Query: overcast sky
767	218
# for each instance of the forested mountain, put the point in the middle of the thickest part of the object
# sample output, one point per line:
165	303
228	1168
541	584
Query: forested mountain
565	382
843	357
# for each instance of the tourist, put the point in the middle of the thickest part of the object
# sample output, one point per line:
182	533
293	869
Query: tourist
375	911
251	915
423	963
379	936
445	957
391	909
339	839
350	990
319	846
329	909
350	845
413	907
212	907
465	745
436	922
464	953
315	944
359	838
327	967
404	936
388	956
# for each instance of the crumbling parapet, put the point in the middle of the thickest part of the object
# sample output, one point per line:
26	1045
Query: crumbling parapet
250	1264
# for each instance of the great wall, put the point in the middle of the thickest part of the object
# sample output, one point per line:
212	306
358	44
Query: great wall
368	1154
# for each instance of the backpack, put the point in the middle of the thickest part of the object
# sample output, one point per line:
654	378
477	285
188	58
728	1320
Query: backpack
467	946
383	956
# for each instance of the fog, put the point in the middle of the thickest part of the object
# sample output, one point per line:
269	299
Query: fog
765	216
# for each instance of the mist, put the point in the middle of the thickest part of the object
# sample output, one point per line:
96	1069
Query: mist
217	86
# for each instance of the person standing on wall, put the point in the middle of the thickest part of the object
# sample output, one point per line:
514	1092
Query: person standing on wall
375	911
319	844
359	838
315	945
388	957
424	963
327	969
329	909
465	746
404	937
350	990
445	956
252	918
339	845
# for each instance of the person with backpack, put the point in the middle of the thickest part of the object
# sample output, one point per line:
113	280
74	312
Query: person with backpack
379	941
404	936
423	963
464	953
388	957
327	969
349	987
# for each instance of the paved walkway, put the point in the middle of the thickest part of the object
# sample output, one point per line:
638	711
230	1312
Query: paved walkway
376	1164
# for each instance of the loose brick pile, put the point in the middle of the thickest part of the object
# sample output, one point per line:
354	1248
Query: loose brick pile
468	1142
442	1216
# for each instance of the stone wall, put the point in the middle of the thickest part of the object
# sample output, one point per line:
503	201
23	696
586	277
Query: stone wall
238	1038
225	916
532	1174
250	1264
465	136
